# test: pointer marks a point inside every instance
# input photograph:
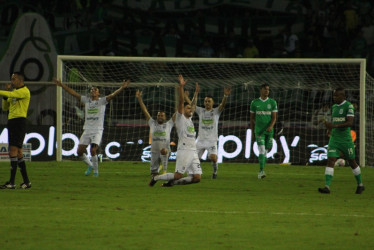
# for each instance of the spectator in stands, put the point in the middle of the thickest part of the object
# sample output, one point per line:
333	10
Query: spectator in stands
321	115
251	50
358	46
233	44
290	42
223	52
205	50
351	18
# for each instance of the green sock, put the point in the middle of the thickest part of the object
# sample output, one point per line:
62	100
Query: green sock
328	179
261	159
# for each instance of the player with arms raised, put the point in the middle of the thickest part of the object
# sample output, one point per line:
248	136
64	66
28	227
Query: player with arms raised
341	140
94	122
263	117
187	158
160	136
208	128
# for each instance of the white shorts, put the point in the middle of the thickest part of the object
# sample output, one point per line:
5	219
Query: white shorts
201	146
155	161
91	137
188	160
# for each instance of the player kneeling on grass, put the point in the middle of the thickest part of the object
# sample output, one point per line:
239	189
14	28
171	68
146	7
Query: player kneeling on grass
93	124
341	140
187	158
160	136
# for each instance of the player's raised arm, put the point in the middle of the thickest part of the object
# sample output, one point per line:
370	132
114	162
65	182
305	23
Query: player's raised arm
226	93
194	99
124	85
67	89
142	105
187	97
182	83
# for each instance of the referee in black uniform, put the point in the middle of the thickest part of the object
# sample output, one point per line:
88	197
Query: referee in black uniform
17	102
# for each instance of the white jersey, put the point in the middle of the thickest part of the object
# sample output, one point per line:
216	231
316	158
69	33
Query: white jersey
208	123
94	113
160	134
186	132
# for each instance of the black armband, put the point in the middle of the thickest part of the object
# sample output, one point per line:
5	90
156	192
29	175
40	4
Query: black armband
5	98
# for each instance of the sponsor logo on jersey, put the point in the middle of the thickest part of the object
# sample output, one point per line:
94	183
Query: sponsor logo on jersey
191	129
338	119
92	111
159	133
207	122
263	113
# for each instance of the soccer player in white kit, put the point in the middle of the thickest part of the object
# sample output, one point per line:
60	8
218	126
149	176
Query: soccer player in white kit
187	158
160	137
94	123
208	128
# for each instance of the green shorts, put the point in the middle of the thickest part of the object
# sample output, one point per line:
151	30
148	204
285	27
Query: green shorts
265	139
346	148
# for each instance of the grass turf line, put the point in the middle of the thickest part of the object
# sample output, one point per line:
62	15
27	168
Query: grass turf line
66	210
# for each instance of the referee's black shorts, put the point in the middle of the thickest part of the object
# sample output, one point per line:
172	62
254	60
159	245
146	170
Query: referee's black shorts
16	131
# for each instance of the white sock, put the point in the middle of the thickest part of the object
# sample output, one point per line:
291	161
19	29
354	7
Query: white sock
164	160
164	177
356	171
329	171
95	163
85	159
184	181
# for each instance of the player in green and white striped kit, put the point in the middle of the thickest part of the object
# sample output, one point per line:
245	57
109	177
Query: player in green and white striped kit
341	140
263	117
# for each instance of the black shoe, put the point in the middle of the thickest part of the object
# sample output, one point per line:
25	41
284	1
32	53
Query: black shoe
152	182
168	184
25	185
324	190
360	189
7	185
214	176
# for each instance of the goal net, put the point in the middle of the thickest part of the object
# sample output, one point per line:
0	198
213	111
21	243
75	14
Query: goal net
302	88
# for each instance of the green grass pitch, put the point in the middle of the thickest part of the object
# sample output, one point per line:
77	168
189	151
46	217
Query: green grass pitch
118	210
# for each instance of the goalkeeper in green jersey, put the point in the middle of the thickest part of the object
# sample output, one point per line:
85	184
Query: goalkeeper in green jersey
341	140
263	117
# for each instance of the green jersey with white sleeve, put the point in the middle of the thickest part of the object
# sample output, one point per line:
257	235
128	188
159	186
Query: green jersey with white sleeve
263	110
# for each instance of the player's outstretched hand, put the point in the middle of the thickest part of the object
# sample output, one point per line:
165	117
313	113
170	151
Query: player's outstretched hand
227	90
125	83
57	82
197	88
181	80
139	94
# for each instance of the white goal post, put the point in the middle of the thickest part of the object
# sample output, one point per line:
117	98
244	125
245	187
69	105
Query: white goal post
300	86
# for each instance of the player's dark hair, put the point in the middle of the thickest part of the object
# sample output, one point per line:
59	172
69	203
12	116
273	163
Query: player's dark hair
340	89
209	96
264	85
186	103
95	88
20	75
